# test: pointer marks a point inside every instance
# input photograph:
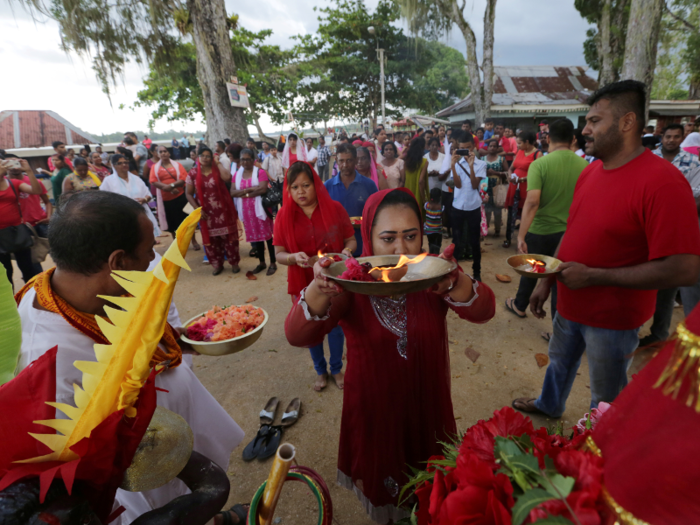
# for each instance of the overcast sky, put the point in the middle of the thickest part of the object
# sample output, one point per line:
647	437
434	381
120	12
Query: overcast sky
536	32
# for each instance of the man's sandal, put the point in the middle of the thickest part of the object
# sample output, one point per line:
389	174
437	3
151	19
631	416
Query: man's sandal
527	404
239	510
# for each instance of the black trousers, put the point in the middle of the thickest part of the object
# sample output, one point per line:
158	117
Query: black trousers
447	199
434	243
24	262
259	248
466	226
541	245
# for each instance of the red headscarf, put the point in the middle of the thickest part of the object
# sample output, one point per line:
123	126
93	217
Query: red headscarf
370	211
333	215
229	210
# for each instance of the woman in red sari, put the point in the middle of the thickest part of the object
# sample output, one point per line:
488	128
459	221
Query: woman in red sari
310	222
396	404
517	189
205	187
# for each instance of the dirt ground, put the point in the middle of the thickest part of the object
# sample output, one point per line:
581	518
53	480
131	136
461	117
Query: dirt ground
243	382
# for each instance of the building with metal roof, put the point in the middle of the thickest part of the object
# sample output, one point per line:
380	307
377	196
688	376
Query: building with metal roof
38	129
524	95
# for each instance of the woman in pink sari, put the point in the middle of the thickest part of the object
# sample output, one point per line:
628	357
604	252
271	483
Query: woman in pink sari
219	223
367	166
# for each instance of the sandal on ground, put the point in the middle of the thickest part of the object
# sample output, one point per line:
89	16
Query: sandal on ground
218	270
272	269
292	413
511	308
272	443
239	510
317	385
260	267
547	336
253	449
267	414
506	244
236	269
252	253
527	404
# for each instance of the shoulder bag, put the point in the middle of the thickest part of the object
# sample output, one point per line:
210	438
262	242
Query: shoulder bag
16	238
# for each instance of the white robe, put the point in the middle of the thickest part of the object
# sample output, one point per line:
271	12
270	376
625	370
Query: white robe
216	434
135	189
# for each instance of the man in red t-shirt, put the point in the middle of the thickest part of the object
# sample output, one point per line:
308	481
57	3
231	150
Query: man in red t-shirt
32	211
632	230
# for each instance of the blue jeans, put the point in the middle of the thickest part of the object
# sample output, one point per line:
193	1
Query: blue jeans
608	362
336	339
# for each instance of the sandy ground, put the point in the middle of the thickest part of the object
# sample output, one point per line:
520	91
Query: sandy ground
243	382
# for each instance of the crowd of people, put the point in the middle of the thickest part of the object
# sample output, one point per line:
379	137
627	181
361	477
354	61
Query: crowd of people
622	218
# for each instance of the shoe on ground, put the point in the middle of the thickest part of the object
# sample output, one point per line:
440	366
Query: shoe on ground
648	340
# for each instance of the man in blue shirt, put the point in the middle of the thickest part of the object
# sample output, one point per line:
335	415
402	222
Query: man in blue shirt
350	188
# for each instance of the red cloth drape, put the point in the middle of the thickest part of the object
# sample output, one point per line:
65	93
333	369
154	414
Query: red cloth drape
229	210
334	218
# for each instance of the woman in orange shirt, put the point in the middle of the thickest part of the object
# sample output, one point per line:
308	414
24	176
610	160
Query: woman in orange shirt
168	177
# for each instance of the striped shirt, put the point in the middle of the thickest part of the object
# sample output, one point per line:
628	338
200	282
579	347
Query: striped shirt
433	220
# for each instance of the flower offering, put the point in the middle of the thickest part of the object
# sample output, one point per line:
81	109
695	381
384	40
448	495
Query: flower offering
220	324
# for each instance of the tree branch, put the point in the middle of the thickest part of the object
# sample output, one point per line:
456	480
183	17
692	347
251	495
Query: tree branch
680	19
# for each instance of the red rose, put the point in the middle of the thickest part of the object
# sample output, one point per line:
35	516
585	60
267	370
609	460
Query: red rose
480	439
481	497
582	503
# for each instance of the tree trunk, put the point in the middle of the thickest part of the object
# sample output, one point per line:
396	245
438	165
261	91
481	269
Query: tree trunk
472	62
642	42
607	66
215	67
487	63
261	135
694	88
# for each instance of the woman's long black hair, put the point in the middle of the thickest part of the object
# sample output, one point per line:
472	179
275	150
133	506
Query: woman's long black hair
416	150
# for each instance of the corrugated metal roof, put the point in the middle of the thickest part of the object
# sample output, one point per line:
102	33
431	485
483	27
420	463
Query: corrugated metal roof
36	129
534	85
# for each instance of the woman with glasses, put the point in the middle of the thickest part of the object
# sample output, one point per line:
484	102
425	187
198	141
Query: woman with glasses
205	186
247	188
124	182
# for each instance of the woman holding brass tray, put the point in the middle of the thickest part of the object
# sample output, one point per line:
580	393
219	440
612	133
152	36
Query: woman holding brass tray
396	405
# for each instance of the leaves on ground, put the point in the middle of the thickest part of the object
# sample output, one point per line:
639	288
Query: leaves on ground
542	360
251	276
471	354
253	298
503	278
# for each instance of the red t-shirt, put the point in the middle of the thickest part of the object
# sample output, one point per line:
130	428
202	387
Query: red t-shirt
311	236
9	211
31	204
639	212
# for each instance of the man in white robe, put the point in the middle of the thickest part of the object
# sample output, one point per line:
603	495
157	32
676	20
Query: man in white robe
118	236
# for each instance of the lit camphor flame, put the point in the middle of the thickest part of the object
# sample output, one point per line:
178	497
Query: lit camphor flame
537	266
403	261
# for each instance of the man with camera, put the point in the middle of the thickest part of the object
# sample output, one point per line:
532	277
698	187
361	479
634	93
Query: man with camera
467	172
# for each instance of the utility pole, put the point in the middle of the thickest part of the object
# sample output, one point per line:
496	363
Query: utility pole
381	73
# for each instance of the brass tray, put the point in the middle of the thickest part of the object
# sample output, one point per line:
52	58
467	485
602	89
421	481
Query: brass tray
313	260
420	276
227	346
552	265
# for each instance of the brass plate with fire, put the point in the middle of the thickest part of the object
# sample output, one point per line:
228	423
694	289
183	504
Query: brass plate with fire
394	274
534	266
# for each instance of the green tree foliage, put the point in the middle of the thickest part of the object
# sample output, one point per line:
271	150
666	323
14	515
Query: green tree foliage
176	95
340	70
592	11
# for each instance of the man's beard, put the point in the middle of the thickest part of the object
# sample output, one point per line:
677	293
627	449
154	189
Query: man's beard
606	145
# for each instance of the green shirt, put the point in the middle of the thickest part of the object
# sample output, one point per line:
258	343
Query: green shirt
57	182
555	175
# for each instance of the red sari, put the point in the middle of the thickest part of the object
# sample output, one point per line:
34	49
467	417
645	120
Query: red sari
396	401
326	231
521	165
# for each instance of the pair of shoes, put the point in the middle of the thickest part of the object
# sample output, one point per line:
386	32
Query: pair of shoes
236	269
271	270
252	253
218	270
260	267
265	443
506	244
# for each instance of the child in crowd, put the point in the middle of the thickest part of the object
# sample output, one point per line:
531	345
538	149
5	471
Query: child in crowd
433	220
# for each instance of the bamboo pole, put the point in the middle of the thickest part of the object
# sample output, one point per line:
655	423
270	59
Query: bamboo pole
273	488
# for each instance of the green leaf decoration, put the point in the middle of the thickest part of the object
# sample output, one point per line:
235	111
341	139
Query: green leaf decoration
527	502
557	485
10	331
525	462
553	520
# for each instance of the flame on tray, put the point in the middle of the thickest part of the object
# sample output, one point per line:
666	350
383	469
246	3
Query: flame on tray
536	265
403	261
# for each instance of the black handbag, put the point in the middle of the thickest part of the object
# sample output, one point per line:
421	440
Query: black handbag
16	238
273	197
